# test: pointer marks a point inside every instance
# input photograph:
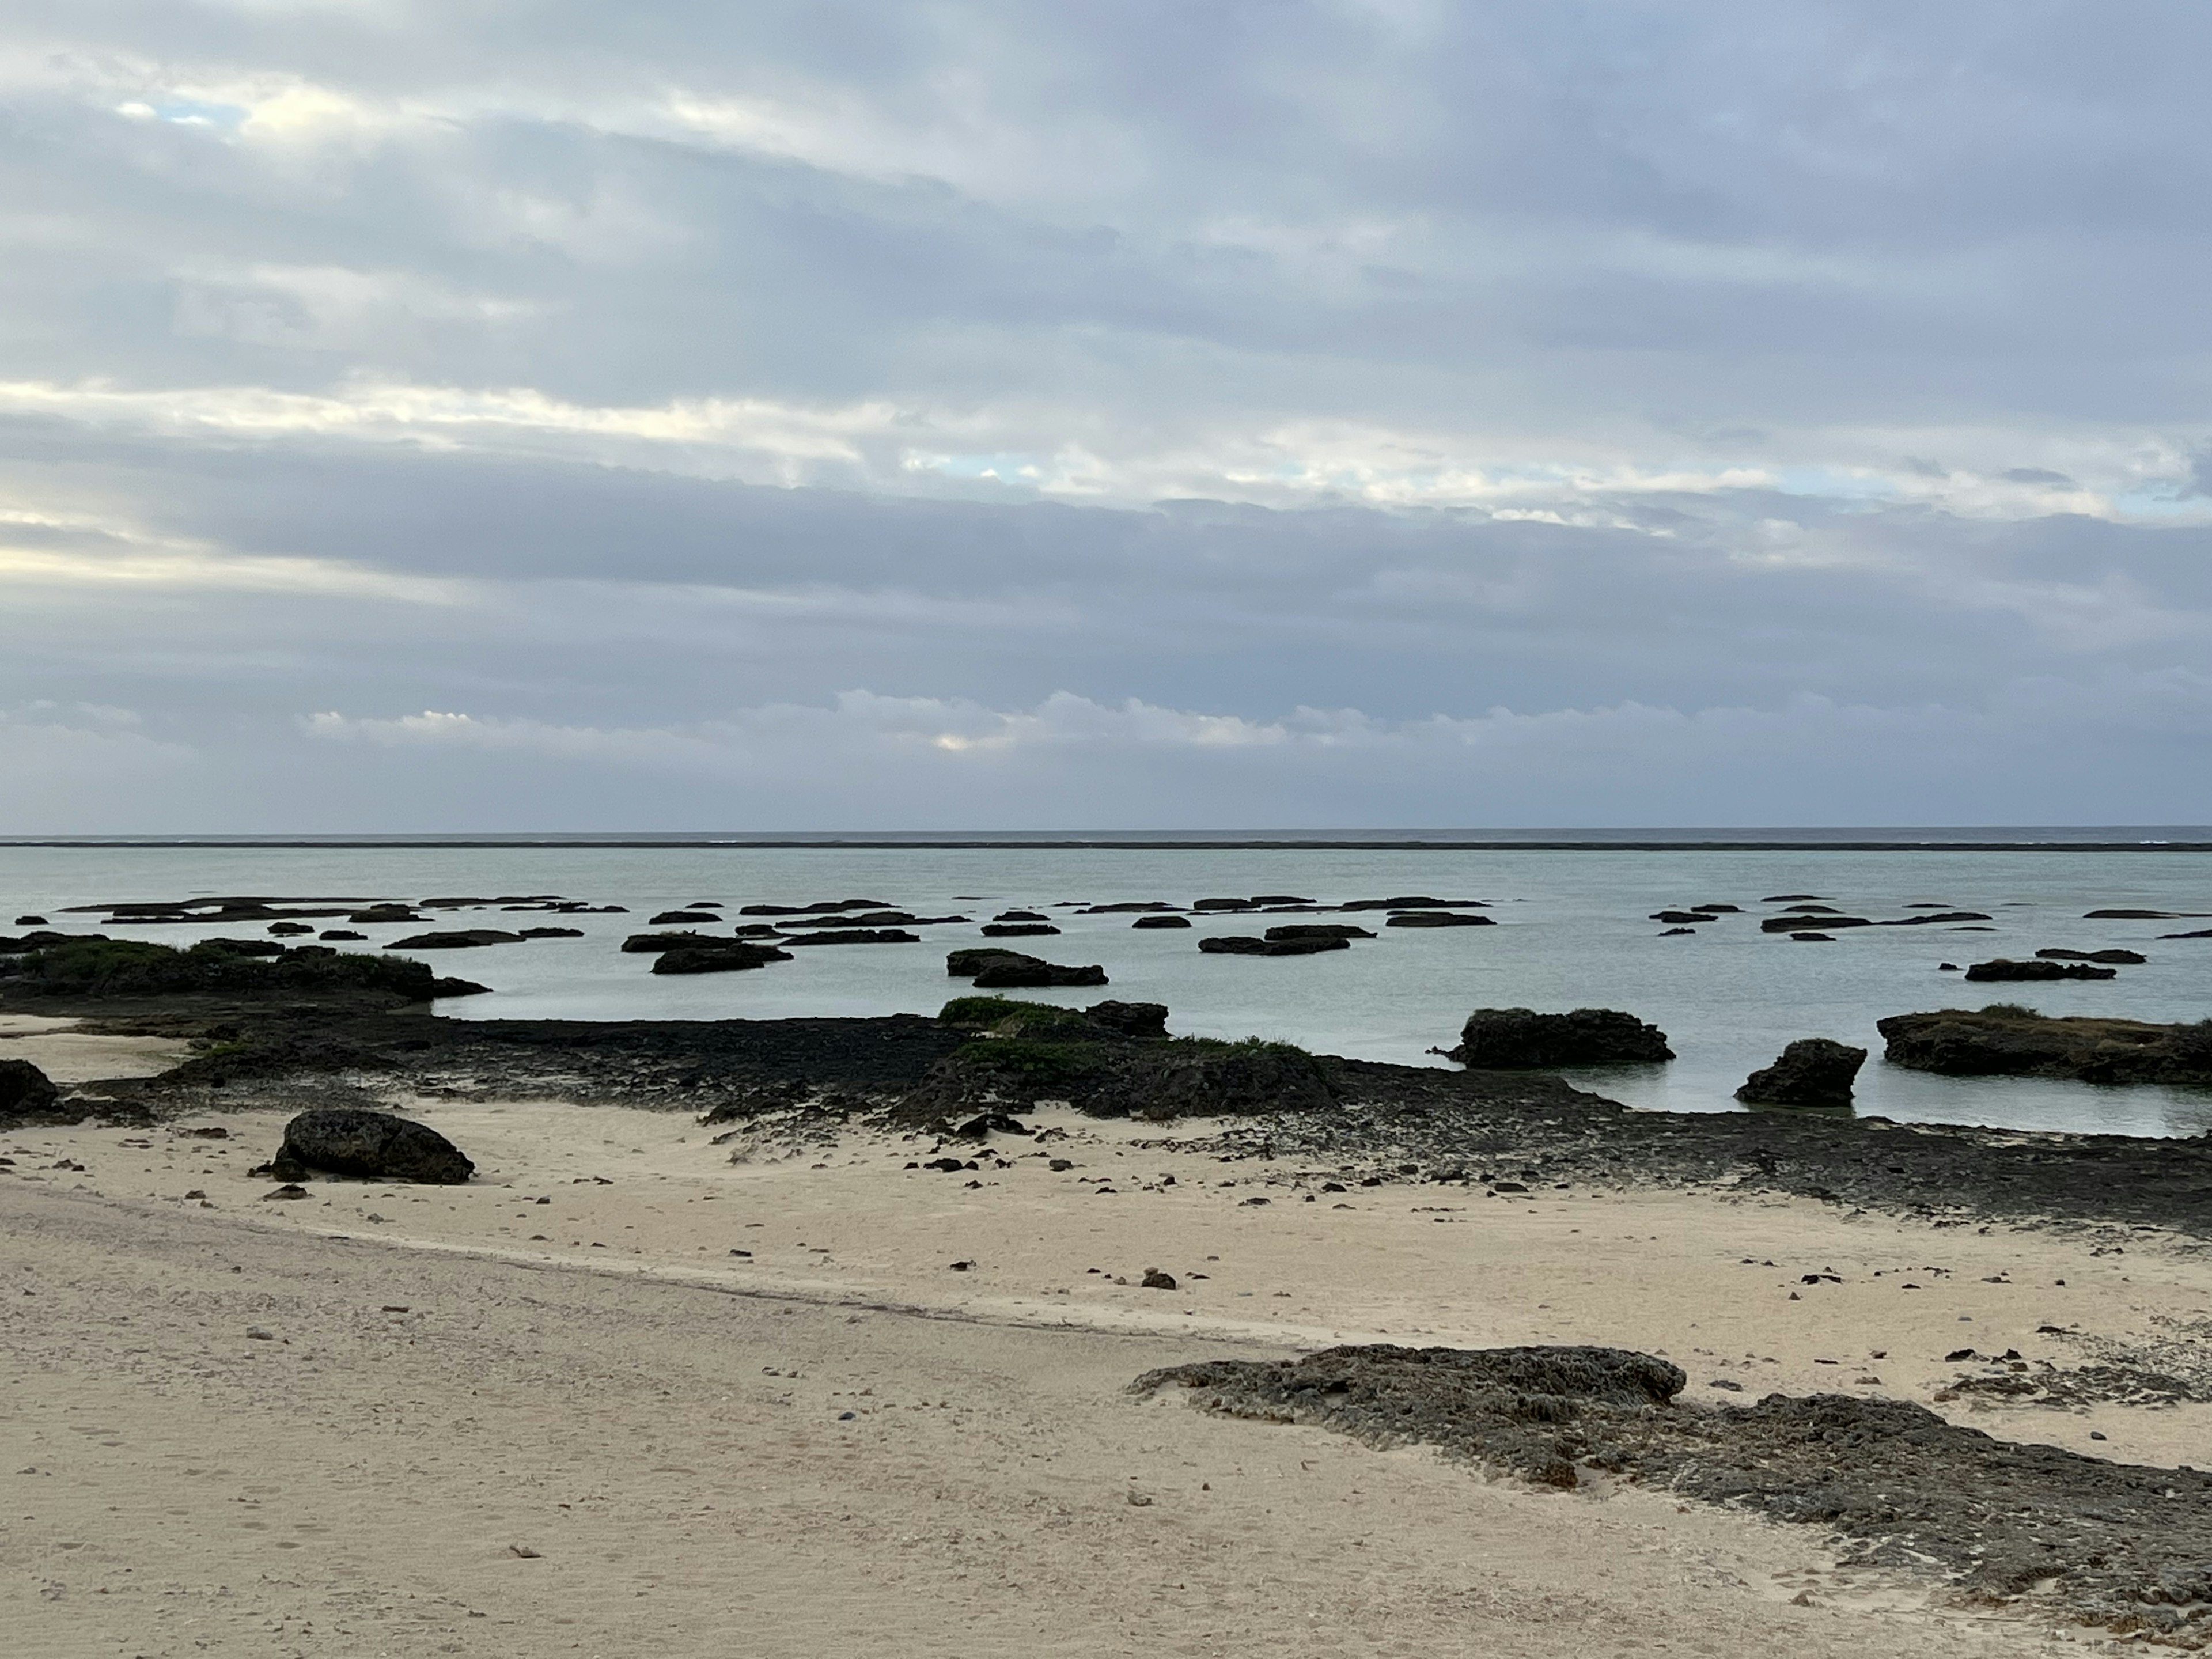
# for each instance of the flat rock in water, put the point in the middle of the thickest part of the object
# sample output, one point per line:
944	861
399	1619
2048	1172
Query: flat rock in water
1412	902
685	919
1035	929
1795	923
349	1140
855	936
2003	969
552	932
1436	918
462	939
1293	930
1811	1071
1014	970
1161	921
1233	944
1519	1038
726	957
2124	958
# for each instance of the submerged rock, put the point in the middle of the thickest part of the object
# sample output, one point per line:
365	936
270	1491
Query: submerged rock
1516	1038
349	1140
1811	1071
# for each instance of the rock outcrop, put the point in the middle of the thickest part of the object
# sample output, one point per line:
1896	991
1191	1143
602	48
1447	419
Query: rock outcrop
2008	1041
1521	1038
26	1093
2004	968
1811	1071
1243	945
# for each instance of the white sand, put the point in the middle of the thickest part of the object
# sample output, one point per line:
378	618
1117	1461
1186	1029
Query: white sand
661	1419
70	1056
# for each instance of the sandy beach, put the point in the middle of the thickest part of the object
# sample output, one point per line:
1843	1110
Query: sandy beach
782	1389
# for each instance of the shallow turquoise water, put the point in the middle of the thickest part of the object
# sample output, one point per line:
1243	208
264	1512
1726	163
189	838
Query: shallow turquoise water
1572	932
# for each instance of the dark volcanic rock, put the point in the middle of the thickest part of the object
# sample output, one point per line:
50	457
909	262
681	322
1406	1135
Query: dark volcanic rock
1436	918
386	913
30	922
25	1091
855	936
2003	968
94	967
552	932
288	929
2128	915
465	939
1132	1019
1161	921
684	919
648	943
1671	931
1020	915
1681	915
1236	944
2124	958
1811	1071
1223	904
1017	929
2125	1546
1150	906
1792	924
1155	1279
727	957
1502	1038
1318	930
373	1146
2004	1042
971	961
1412	902
340	935
1024	971
1938	917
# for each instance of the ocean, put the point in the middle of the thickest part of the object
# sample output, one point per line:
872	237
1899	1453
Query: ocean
1573	930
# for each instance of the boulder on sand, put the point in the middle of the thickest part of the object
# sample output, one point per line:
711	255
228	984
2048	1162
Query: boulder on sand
25	1090
1811	1071
349	1140
1514	1039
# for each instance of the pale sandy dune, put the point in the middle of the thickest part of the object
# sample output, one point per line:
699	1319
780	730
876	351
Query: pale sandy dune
661	1419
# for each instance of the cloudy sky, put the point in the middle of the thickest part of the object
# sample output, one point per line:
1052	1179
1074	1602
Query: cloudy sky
480	415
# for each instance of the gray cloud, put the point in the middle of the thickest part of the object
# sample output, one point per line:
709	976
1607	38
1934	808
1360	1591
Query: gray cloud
1477	413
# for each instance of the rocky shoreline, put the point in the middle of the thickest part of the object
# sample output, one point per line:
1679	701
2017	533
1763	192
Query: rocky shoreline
1348	1121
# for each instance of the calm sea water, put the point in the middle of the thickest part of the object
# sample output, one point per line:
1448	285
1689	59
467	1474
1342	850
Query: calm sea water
1572	932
